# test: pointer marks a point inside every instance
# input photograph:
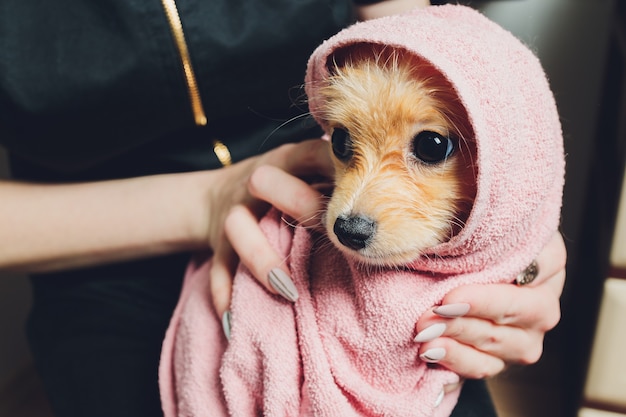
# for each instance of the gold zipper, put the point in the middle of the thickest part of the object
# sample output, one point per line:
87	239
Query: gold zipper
222	153
176	26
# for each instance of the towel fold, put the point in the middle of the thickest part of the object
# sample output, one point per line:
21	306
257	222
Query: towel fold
345	348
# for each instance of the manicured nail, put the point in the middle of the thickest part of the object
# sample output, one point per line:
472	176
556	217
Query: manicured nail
281	282
226	321
439	399
433	355
452	310
430	333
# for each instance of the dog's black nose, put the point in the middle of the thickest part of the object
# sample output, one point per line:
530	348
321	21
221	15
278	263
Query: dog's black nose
354	232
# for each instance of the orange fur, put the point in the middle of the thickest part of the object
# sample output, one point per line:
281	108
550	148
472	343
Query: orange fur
383	99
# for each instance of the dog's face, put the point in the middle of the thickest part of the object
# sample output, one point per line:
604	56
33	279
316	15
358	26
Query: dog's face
403	156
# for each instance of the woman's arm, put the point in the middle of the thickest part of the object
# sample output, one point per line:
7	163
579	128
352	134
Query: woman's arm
387	8
49	227
46	227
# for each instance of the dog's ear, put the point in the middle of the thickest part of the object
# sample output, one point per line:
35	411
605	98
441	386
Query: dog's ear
359	52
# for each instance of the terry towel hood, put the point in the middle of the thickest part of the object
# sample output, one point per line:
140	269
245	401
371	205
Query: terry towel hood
513	114
345	347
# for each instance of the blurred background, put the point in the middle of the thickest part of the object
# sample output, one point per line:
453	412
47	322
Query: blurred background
582	45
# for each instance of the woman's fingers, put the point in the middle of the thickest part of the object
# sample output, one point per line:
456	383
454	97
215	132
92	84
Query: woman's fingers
503	322
221	275
276	185
508	343
462	359
245	242
235	235
551	263
507	305
289	194
310	157
255	252
535	305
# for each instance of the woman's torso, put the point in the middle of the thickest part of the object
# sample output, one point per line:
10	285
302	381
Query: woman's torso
96	90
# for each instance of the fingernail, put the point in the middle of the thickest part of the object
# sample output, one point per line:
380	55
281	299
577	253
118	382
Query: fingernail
433	355
452	310
430	333
226	317
439	399
281	282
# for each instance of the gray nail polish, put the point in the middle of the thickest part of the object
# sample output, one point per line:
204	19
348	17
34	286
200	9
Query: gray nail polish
439	399
452	310
226	322
433	355
430	333
281	282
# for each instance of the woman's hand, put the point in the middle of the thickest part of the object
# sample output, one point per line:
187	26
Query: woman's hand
480	329
240	196
119	220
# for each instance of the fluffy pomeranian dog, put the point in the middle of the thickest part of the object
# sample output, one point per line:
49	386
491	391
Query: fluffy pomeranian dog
450	168
403	154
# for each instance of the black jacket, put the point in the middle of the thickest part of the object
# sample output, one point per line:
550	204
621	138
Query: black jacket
95	89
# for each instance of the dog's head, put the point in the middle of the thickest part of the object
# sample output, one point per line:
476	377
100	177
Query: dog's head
468	80
403	154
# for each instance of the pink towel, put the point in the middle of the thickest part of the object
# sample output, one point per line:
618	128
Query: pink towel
345	348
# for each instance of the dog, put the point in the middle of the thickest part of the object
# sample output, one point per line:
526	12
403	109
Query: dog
449	169
403	153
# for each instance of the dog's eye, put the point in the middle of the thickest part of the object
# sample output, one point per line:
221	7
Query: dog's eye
342	144
431	147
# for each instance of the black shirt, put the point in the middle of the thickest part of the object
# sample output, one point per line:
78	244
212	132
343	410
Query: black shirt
94	89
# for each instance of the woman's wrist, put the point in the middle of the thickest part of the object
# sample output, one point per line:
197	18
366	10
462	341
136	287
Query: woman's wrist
200	193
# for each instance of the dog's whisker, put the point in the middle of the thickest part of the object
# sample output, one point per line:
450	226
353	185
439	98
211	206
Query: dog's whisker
283	124
288	222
